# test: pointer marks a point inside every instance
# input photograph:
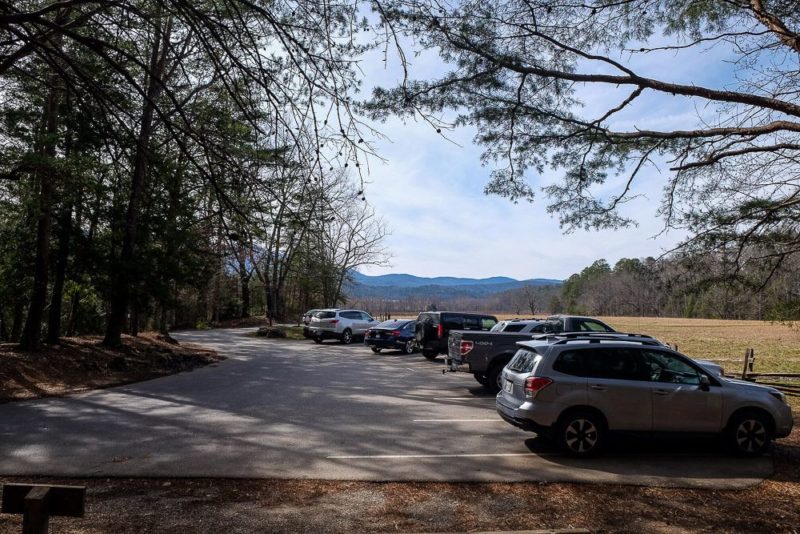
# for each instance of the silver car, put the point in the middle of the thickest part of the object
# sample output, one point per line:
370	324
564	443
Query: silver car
343	325
576	390
523	326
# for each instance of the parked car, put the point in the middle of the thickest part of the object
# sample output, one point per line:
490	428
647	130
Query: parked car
306	319
578	389
484	354
576	323
392	334
308	315
343	325
521	325
433	327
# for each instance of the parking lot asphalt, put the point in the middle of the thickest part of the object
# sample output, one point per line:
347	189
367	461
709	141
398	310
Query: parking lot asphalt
288	409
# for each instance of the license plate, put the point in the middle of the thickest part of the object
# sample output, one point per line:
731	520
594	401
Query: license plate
509	386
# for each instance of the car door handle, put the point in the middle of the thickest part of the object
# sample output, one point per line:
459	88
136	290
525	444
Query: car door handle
661	392
598	387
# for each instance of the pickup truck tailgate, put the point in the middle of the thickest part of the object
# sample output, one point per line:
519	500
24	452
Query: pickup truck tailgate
453	359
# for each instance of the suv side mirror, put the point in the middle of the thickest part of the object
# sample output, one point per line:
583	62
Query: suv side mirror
705	383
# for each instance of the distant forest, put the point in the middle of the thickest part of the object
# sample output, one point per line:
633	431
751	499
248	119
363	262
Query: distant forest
696	285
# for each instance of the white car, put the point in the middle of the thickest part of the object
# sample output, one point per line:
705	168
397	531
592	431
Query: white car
343	325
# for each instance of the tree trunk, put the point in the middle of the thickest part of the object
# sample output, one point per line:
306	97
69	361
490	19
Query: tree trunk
31	335
16	323
162	321
134	328
125	270
54	319
270	301
244	280
74	306
3	329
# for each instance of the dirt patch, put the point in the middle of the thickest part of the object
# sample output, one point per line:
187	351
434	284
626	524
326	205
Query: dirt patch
82	363
277	506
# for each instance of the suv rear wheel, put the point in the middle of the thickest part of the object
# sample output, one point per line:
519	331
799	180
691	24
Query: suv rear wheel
347	336
494	377
581	433
376	350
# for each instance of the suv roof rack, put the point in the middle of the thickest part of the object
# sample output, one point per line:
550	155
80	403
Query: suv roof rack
597	337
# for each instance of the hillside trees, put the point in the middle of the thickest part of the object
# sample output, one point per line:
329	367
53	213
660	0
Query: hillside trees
681	285
140	131
528	76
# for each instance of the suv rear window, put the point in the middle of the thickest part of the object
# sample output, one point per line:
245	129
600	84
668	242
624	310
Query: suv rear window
452	322
472	323
325	315
524	361
514	328
432	318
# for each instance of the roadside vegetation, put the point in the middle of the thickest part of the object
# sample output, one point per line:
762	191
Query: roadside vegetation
82	363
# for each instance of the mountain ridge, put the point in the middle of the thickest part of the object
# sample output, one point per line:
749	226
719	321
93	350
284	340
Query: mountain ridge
410	280
396	286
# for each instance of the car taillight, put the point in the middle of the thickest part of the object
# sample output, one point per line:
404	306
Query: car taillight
334	321
465	347
368	333
395	333
440	331
535	384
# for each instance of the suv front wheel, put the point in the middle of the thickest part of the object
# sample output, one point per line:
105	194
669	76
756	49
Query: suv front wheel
749	433
581	433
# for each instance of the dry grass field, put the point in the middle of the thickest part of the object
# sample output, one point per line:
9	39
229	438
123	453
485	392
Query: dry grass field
777	346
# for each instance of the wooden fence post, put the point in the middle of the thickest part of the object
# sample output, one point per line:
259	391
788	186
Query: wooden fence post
36	517
36	503
749	359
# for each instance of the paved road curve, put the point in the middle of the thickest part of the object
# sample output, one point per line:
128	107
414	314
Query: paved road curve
280	409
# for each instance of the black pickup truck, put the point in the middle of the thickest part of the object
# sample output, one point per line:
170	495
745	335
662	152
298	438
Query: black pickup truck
484	354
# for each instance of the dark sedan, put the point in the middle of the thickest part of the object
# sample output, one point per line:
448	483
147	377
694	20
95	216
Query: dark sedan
392	335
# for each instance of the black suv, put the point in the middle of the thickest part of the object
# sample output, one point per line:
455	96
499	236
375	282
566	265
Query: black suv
433	327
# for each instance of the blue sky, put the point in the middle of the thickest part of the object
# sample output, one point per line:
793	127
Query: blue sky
430	190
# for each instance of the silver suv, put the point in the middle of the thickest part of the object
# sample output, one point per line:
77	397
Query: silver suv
576	389
523	326
343	325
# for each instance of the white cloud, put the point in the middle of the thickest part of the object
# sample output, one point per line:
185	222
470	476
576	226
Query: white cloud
431	191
